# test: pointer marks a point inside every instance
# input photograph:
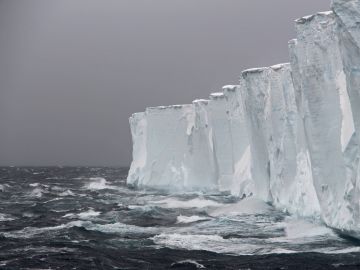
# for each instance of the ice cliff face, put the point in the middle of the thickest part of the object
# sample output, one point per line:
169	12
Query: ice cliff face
287	134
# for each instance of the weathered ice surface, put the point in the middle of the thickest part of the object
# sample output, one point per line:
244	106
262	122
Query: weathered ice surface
288	134
241	183
173	148
291	182
220	125
348	30
198	146
230	140
255	92
280	165
327	115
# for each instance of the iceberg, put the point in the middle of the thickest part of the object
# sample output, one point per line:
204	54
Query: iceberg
287	135
173	148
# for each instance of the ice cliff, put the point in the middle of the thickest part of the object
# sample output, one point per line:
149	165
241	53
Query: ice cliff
287	134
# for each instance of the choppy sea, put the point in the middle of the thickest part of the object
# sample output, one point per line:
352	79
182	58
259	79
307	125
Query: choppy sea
87	218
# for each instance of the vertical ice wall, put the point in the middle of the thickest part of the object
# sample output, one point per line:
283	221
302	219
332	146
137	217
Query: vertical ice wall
203	167
165	155
218	115
280	165
328	123
230	140
255	92
138	173
291	182
202	146
288	134
241	183
173	148
348	21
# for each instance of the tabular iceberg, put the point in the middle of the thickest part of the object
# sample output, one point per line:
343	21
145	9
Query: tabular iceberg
287	134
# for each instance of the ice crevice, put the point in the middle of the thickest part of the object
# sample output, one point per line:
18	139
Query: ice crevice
286	134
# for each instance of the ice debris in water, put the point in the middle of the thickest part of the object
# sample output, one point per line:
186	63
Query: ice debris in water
286	134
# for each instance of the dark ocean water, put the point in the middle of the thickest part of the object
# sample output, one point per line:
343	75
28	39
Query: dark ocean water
87	218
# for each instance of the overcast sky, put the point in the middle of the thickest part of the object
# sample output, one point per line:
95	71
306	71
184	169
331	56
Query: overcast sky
73	71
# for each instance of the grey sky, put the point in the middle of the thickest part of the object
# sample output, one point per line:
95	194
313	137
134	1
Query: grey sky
72	71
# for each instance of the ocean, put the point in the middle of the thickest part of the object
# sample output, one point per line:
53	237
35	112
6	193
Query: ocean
87	218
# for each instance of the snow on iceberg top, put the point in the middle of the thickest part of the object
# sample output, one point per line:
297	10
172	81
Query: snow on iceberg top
169	108
263	69
217	95
228	88
254	70
280	66
309	18
201	101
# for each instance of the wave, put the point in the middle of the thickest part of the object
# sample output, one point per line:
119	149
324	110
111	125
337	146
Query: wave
67	192
191	219
98	183
189	264
186	204
83	215
36	192
212	243
5	217
248	206
29	232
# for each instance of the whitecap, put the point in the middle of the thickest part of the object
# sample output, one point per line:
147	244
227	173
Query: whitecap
217	244
34	184
67	192
98	183
332	250
187	262
36	192
301	231
88	214
248	206
5	217
185	204
29	232
3	187
189	241
83	215
191	219
301	228
121	229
